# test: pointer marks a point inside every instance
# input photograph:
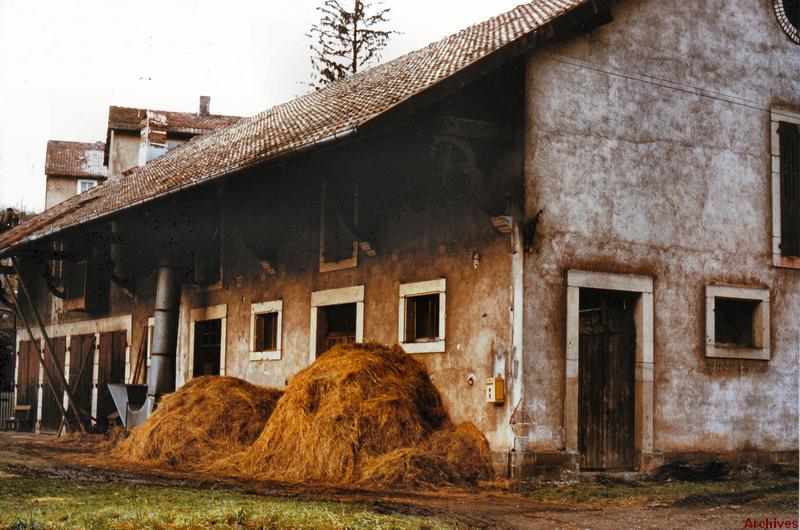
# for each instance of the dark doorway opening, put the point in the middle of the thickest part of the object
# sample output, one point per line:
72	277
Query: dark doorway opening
207	347
51	414
336	324
606	391
110	369
27	385
81	356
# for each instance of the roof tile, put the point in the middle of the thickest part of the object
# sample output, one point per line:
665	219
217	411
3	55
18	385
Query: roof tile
335	109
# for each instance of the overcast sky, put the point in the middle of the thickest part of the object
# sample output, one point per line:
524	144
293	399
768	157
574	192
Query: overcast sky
63	63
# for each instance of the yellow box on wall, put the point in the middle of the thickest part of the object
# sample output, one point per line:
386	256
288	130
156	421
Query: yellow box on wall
494	390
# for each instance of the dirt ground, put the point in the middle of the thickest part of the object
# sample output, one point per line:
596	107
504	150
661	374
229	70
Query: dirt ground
603	504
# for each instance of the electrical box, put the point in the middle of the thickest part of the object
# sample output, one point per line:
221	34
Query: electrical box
494	390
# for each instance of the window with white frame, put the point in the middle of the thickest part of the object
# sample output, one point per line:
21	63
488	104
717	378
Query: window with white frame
86	185
737	322
785	139
337	317
421	316
265	330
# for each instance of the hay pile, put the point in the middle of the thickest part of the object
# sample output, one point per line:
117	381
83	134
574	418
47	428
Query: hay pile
365	413
361	414
201	422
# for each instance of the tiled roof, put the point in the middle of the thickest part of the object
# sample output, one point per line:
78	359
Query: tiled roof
75	159
177	122
320	115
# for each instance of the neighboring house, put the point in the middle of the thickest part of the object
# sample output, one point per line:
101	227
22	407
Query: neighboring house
592	206
72	168
137	136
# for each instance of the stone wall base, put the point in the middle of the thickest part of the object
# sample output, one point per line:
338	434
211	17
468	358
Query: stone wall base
563	465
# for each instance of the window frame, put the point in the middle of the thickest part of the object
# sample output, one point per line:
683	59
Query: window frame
264	308
411	290
344	295
84	181
777	115
761	322
213	312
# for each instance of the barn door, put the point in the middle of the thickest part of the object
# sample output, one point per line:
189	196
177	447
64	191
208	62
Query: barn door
607	357
111	369
28	381
81	354
51	415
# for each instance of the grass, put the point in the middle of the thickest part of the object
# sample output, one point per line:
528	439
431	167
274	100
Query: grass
609	491
48	503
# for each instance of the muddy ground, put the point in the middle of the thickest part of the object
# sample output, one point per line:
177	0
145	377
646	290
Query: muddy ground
609	503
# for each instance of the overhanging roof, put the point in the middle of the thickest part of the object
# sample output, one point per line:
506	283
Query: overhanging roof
336	110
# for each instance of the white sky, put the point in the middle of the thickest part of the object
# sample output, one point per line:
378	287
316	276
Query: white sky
62	63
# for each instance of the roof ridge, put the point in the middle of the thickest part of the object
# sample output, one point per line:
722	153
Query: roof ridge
311	117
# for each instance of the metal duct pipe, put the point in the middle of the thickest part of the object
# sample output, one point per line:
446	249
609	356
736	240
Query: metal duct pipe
165	332
164	347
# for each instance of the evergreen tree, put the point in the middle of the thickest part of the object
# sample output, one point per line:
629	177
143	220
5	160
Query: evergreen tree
345	40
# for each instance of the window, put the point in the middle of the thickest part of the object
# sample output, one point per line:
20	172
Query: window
785	188
337	316
207	341
421	325
422	318
85	185
338	242
737	322
265	331
788	14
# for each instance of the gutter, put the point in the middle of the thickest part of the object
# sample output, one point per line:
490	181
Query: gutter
301	149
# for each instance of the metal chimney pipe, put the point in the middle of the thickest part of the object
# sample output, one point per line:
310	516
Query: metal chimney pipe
165	332
164	347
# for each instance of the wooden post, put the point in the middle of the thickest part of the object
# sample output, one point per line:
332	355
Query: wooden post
48	346
46	370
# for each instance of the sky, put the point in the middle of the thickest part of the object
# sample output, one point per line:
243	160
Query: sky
63	63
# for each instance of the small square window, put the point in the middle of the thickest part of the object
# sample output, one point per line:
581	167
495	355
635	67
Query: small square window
422	317
733	322
737	322
265	331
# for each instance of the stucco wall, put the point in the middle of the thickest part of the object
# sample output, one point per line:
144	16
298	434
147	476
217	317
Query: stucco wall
124	152
647	148
412	250
59	189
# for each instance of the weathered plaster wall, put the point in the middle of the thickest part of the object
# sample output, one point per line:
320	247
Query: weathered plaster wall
647	149
124	151
59	189
413	249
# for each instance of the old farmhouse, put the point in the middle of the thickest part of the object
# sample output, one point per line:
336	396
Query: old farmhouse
582	215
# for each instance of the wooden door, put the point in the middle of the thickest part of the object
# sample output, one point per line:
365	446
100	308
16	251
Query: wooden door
110	370
81	355
607	357
207	347
28	381
51	414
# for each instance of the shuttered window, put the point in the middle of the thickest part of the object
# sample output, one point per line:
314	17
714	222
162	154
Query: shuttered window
789	134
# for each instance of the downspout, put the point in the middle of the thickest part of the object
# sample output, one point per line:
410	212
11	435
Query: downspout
516	368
